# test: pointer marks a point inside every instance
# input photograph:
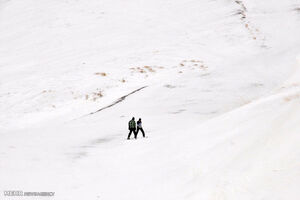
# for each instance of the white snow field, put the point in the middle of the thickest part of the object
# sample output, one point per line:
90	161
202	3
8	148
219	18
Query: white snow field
216	83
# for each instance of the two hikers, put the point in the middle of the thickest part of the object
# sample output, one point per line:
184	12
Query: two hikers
132	128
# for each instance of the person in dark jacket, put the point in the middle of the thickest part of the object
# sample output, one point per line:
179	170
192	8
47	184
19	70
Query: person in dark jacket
139	127
131	127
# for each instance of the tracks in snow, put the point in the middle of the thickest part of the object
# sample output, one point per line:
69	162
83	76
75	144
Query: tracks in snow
253	31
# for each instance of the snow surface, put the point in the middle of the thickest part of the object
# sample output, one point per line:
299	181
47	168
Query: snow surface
221	106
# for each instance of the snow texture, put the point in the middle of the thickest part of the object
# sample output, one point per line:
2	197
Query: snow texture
216	83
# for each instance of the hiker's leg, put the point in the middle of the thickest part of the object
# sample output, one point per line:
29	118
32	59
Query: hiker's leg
130	131
143	132
135	133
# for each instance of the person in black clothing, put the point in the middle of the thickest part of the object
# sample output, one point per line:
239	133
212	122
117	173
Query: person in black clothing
139	127
132	128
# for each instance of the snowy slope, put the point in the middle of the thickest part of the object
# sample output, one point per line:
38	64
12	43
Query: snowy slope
220	107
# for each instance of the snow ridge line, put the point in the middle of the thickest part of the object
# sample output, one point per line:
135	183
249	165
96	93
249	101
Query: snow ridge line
119	100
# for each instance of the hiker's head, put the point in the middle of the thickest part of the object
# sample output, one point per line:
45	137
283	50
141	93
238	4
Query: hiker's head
140	119
132	118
